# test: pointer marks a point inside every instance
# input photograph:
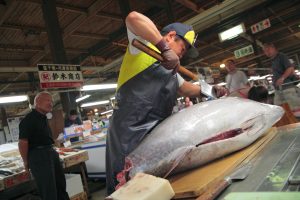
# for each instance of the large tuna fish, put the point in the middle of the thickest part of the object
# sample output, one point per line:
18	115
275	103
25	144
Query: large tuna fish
199	134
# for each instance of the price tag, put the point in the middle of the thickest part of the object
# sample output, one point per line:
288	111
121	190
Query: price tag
67	143
86	133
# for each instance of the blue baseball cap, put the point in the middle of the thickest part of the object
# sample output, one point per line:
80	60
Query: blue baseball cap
187	33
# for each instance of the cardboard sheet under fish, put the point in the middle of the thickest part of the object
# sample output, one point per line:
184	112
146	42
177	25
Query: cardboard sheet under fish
200	134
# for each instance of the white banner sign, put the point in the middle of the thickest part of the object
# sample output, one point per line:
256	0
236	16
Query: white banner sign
60	76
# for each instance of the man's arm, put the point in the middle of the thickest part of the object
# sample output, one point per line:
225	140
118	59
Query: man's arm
188	89
289	71
142	26
23	148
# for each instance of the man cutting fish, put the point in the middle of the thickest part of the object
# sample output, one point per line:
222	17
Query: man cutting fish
147	89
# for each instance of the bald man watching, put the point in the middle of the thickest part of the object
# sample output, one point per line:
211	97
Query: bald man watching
36	149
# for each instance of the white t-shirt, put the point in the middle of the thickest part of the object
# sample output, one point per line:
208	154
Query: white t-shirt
133	50
236	81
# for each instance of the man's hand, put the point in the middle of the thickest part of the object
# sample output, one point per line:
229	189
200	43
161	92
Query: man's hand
26	166
280	81
171	60
219	91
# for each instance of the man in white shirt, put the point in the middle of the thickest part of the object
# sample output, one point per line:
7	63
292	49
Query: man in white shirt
236	80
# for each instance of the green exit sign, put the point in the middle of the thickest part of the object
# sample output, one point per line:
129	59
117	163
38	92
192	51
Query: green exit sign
244	51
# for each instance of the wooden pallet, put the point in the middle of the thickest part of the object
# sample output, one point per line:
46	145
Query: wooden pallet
80	196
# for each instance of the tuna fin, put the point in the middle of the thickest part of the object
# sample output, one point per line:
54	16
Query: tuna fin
178	160
254	125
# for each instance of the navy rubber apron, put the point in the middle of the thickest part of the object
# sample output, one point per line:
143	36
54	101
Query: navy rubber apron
142	102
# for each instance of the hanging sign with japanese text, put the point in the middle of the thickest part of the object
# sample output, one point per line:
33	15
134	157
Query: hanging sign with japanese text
60	76
243	51
262	25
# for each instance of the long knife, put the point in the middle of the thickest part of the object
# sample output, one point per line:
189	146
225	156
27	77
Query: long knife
213	192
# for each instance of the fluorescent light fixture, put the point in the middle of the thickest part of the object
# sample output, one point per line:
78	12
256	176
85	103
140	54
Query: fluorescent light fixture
99	87
82	98
13	99
254	78
105	112
232	32
222	65
221	84
94	103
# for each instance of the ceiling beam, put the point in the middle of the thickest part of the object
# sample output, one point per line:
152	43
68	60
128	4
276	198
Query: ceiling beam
119	34
43	30
169	11
73	26
61	6
80	10
91	35
5	11
13	47
109	16
280	19
125	8
190	5
8	85
101	45
22	28
158	3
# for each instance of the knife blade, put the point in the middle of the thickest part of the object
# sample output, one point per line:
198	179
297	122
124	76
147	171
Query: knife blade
213	192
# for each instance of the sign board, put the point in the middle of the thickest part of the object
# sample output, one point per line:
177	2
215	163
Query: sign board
60	76
262	25
243	51
13	125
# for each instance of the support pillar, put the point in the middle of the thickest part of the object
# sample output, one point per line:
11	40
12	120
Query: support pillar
57	48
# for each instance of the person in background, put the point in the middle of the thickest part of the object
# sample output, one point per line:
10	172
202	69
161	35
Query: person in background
187	102
36	149
236	80
258	93
72	119
283	77
147	89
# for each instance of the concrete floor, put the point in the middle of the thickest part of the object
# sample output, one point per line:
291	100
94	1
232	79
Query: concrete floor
99	195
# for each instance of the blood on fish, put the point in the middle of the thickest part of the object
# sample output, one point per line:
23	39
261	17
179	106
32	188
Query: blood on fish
123	176
222	136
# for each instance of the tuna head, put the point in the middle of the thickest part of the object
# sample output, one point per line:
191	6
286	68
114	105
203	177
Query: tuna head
200	134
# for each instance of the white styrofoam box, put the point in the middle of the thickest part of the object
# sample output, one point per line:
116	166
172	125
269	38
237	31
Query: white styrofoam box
74	184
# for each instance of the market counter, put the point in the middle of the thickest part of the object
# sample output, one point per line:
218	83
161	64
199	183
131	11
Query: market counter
10	152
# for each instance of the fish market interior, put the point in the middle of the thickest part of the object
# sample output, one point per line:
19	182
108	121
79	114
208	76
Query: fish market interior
149	100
